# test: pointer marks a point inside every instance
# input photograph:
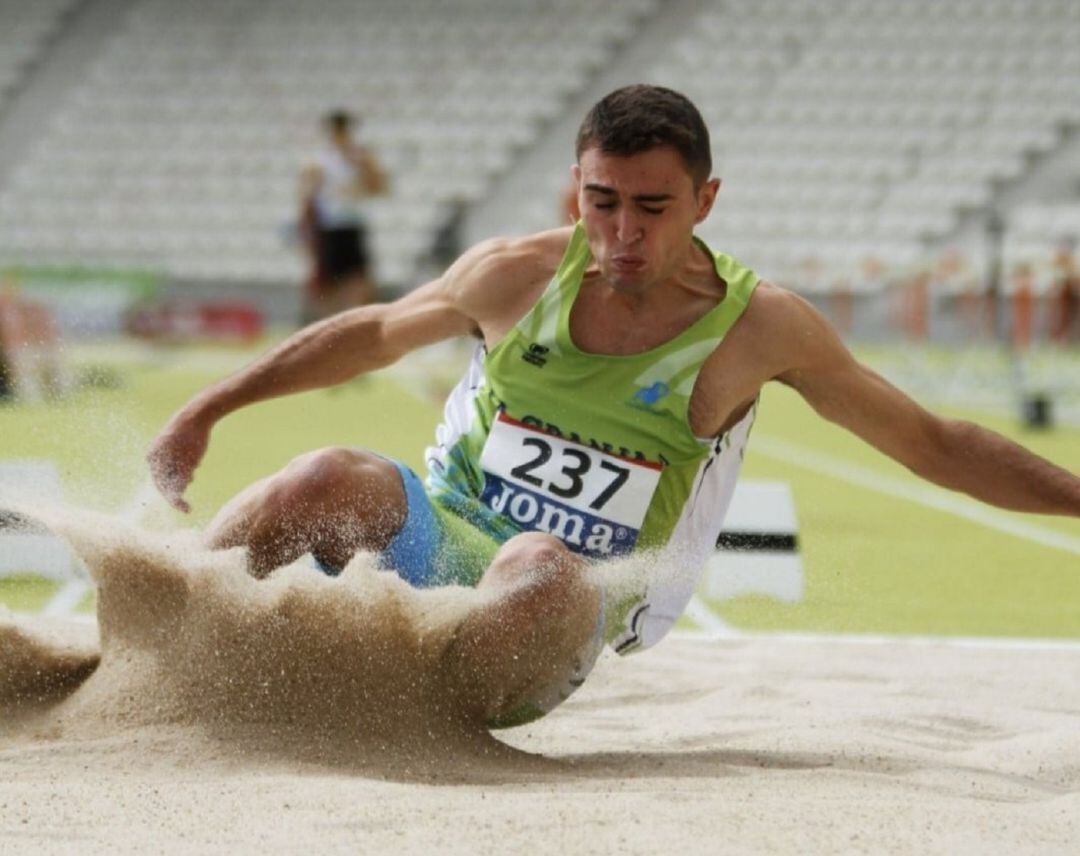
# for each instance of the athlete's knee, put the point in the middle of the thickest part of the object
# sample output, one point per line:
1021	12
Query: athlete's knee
535	638
536	550
331	502
333	475
324	488
325	466
537	559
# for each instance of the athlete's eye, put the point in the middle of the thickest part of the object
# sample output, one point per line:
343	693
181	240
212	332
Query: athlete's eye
648	210
604	206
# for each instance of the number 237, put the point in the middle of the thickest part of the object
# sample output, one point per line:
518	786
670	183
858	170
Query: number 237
575	468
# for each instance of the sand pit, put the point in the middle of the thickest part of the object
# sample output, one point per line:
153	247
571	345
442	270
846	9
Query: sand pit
208	727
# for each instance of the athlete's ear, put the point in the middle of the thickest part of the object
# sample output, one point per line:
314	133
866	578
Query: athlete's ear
575	173
706	196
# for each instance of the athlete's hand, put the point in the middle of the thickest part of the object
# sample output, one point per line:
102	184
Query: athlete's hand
174	455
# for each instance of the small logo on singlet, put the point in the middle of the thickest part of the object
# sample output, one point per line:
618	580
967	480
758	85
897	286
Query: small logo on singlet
649	396
536	355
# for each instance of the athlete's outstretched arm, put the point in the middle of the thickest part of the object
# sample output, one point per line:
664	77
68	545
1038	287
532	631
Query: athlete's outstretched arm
952	453
327	353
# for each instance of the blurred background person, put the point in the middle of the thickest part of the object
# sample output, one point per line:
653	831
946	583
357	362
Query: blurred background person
333	227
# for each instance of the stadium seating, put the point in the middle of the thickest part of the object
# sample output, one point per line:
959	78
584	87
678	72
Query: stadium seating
1041	238
25	30
180	151
848	132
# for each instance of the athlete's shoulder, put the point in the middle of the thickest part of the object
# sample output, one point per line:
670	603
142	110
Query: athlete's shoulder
499	276
526	258
775	324
788	330
775	307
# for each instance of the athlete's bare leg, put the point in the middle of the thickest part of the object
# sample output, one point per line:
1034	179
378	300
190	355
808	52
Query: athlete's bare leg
540	610
540	615
331	502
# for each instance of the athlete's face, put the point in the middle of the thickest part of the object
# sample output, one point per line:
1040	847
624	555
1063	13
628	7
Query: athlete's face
639	214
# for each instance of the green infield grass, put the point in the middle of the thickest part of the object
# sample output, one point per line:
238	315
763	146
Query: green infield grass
874	562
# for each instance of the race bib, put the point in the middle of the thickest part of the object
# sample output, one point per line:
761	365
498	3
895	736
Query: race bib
594	502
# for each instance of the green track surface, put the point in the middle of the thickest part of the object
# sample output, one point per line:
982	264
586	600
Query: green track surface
877	564
873	563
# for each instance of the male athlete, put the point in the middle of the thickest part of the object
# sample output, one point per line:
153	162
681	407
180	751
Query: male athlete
606	411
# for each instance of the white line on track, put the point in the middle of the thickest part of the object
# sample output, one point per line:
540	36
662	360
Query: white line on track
927	495
70	595
712	624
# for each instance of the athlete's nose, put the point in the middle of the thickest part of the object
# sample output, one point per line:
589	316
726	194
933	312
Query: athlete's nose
627	227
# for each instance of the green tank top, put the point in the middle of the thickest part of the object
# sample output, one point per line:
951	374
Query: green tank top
592	448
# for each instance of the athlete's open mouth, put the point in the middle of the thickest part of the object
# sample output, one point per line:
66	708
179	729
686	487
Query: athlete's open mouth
628	263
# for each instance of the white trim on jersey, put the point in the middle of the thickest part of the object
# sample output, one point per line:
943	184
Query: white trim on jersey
680	563
459	414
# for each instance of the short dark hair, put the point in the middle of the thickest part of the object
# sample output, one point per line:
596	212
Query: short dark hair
341	121
638	118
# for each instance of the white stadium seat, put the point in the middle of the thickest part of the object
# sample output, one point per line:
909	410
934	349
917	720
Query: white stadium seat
842	124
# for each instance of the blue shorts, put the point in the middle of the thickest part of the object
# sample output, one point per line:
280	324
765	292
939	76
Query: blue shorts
435	546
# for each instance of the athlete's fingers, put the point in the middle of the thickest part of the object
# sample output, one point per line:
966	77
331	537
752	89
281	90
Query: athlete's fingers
173	458
170	487
174	494
169	478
